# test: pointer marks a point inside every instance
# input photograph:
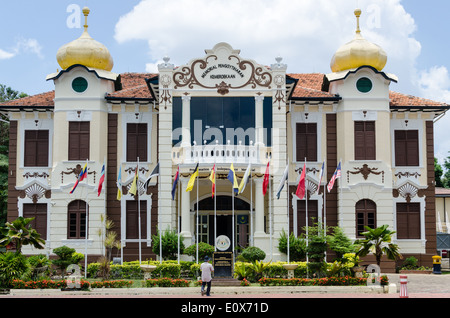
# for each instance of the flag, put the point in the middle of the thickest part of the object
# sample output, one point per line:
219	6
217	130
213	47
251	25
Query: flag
102	179
191	182
133	188
283	180
244	180
81	177
212	177
266	179
301	187
119	185
321	175
154	173
232	177
336	175
174	187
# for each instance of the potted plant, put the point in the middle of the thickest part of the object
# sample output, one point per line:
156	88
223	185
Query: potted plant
352	261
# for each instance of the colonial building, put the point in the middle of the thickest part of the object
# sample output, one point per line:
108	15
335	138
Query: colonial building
226	111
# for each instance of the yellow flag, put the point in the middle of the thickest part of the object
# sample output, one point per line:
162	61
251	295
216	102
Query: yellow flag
212	177
191	182
133	188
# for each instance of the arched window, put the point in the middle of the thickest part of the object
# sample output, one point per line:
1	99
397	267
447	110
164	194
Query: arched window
76	220
366	213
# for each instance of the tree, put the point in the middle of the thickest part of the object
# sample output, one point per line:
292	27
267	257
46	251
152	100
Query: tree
297	246
169	244
6	94
340	243
378	241
438	172
20	233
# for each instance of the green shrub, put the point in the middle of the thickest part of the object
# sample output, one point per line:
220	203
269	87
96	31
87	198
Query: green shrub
204	249
297	247
169	244
12	266
253	253
66	257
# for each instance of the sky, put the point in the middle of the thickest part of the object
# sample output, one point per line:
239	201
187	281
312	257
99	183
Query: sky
305	33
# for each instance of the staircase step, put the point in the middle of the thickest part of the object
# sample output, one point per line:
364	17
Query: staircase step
226	282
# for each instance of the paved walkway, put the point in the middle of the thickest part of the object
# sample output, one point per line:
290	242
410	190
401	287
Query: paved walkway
419	286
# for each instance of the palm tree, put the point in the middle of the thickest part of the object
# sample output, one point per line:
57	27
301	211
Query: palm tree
20	233
378	241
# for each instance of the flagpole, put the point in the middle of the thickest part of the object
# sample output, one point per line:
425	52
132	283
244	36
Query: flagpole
179	218
270	216
196	248
138	209
325	204
251	208
307	232
287	208
215	207
86	222
232	219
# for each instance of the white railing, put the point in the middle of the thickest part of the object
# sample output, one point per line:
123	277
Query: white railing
217	153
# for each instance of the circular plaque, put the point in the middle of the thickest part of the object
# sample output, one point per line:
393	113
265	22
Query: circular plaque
223	243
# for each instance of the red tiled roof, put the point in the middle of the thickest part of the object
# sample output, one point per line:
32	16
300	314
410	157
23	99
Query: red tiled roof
398	99
442	191
43	99
134	86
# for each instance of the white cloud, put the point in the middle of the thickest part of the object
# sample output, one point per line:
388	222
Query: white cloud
22	45
5	55
305	33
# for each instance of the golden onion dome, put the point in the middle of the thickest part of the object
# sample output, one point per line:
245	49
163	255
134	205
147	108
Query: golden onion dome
358	52
85	51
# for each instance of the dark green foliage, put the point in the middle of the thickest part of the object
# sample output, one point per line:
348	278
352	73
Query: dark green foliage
169	244
204	249
297	246
253	253
12	266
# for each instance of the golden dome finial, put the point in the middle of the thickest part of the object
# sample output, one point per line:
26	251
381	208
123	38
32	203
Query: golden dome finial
85	51
86	12
358	52
358	15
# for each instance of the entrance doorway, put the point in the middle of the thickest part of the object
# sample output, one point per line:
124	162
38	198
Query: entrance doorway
222	220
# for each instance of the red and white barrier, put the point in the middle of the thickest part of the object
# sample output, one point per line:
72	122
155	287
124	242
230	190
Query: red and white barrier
403	287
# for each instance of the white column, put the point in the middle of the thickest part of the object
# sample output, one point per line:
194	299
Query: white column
185	211
186	121
259	208
259	131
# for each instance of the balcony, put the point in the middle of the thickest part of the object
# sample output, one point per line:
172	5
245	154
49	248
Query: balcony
219	153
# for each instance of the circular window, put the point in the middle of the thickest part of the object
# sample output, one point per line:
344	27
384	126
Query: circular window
79	84
364	85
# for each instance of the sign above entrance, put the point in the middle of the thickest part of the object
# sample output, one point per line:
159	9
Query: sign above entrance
222	69
223	243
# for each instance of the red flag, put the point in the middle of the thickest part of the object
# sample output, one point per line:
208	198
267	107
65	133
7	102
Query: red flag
266	179
301	189
102	179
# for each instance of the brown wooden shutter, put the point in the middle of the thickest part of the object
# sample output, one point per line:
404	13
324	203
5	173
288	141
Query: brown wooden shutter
408	220
306	141
79	140
39	213
365	140
133	221
301	214
366	213
136	142
76	220
406	147
36	148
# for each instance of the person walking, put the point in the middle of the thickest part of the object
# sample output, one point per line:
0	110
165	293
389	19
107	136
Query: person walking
207	269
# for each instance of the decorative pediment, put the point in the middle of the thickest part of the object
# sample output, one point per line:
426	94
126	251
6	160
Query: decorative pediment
222	69
408	190
34	191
